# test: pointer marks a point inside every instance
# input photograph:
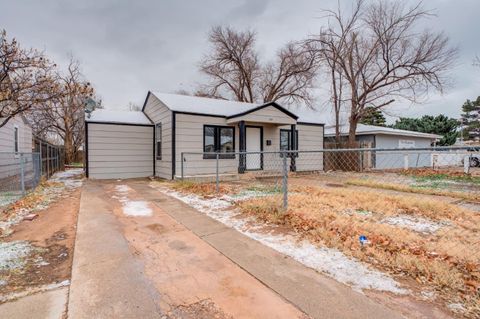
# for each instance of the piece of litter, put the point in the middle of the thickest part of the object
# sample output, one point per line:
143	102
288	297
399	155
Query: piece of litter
30	217
363	240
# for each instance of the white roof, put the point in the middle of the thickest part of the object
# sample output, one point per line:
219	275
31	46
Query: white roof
363	129
204	105
114	116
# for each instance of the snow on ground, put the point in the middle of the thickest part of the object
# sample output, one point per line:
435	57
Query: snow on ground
13	254
71	178
417	224
131	207
329	261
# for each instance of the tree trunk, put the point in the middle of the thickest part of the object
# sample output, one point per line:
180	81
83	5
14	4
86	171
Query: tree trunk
69	149
352	130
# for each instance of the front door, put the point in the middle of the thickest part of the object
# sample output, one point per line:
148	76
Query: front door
254	144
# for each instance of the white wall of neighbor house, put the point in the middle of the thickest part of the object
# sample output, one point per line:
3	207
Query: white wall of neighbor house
119	151
386	160
7	136
9	161
160	113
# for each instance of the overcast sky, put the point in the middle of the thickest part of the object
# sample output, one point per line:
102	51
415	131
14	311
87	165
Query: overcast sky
129	47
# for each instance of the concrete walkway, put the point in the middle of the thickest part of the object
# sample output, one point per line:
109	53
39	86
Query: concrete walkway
49	304
182	264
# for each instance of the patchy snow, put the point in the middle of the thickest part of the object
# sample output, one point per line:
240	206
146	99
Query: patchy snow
13	254
122	188
456	307
417	224
329	261
131	207
136	208
118	116
71	178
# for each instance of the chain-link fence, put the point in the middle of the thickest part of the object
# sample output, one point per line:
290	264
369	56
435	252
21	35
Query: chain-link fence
428	169
22	172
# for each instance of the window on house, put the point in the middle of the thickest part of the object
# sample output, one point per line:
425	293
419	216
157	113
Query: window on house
158	140
286	141
16	139
218	139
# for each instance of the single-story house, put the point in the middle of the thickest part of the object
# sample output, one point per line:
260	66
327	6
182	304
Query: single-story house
371	136
122	144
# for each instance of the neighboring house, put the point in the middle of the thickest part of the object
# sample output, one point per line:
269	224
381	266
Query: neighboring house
15	138
370	136
123	144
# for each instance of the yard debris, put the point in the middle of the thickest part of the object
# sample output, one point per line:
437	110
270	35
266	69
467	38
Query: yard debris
39	199
30	217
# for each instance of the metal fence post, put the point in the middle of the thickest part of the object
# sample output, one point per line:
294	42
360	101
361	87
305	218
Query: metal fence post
466	164
285	181
182	158
217	186
405	161
22	174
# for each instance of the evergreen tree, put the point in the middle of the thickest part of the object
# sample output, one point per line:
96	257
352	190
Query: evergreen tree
470	119
373	116
441	125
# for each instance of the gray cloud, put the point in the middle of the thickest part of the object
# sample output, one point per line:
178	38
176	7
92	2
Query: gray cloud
128	47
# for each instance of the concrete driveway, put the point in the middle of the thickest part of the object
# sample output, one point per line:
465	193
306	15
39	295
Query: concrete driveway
142	254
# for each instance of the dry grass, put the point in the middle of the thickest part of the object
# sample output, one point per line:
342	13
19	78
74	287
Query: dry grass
410	189
202	189
448	259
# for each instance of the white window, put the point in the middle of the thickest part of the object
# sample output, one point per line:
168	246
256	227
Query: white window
16	139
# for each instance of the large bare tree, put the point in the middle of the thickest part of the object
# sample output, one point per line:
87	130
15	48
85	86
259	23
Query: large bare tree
25	79
63	116
377	54
234	70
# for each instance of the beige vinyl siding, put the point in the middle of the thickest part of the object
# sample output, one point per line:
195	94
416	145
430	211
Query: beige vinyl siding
189	138
268	114
310	138
159	113
119	151
9	161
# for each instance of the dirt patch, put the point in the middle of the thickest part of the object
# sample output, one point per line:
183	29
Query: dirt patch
204	309
51	236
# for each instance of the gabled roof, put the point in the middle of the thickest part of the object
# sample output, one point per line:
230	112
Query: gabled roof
223	108
120	117
363	129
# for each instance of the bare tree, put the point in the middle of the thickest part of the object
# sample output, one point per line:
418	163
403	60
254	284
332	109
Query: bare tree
378	55
25	79
235	71
64	115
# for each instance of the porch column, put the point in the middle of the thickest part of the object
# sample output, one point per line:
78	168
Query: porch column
242	147
293	143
